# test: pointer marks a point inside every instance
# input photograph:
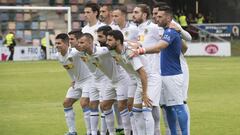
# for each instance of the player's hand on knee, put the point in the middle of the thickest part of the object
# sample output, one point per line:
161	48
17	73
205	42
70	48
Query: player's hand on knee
146	100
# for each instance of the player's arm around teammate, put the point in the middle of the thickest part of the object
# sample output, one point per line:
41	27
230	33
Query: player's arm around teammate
170	45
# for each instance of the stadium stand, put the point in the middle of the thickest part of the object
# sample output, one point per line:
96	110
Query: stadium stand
30	26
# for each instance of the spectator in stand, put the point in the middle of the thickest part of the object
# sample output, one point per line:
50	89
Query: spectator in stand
200	18
191	19
183	20
209	18
176	16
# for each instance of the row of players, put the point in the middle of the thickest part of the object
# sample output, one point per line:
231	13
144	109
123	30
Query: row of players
117	60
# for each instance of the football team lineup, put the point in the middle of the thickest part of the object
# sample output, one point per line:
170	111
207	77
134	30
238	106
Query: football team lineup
120	74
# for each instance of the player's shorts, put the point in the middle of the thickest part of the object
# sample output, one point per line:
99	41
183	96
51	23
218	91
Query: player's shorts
173	89
100	85
185	71
81	89
162	99
119	89
132	87
153	90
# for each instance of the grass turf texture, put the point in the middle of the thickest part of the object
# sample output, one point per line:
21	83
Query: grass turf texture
31	95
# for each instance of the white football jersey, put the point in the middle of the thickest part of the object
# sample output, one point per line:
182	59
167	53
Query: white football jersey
109	66
91	62
93	30
131	65
149	36
75	67
130	32
185	70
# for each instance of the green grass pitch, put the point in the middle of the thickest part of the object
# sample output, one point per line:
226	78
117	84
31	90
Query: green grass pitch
31	95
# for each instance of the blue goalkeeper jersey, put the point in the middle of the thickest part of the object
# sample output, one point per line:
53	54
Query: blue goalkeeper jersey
170	56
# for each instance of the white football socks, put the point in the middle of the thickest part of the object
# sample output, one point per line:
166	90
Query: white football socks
70	119
109	117
126	121
139	121
149	121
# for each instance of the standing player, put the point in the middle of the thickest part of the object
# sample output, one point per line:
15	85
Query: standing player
149	35
130	33
186	36
105	17
102	38
119	79
91	13
129	30
81	80
170	47
138	70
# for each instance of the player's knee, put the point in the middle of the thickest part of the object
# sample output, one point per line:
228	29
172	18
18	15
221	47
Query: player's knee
106	105
122	105
67	103
84	102
93	105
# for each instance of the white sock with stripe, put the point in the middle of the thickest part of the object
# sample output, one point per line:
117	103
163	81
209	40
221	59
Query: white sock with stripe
109	117
126	121
139	120
70	119
149	121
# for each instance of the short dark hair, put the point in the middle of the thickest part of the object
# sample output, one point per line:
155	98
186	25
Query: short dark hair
105	29
121	8
93	6
160	4
117	35
167	10
145	9
76	33
64	37
109	6
87	35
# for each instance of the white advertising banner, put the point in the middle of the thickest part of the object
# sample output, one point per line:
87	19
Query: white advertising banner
27	53
5	53
209	49
52	53
22	53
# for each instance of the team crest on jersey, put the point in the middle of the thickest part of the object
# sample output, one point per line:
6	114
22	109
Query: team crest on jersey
96	62
141	38
145	31
69	66
70	59
84	58
126	33
117	58
167	37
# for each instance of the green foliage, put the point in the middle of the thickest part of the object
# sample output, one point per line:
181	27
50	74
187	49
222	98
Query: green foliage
31	96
